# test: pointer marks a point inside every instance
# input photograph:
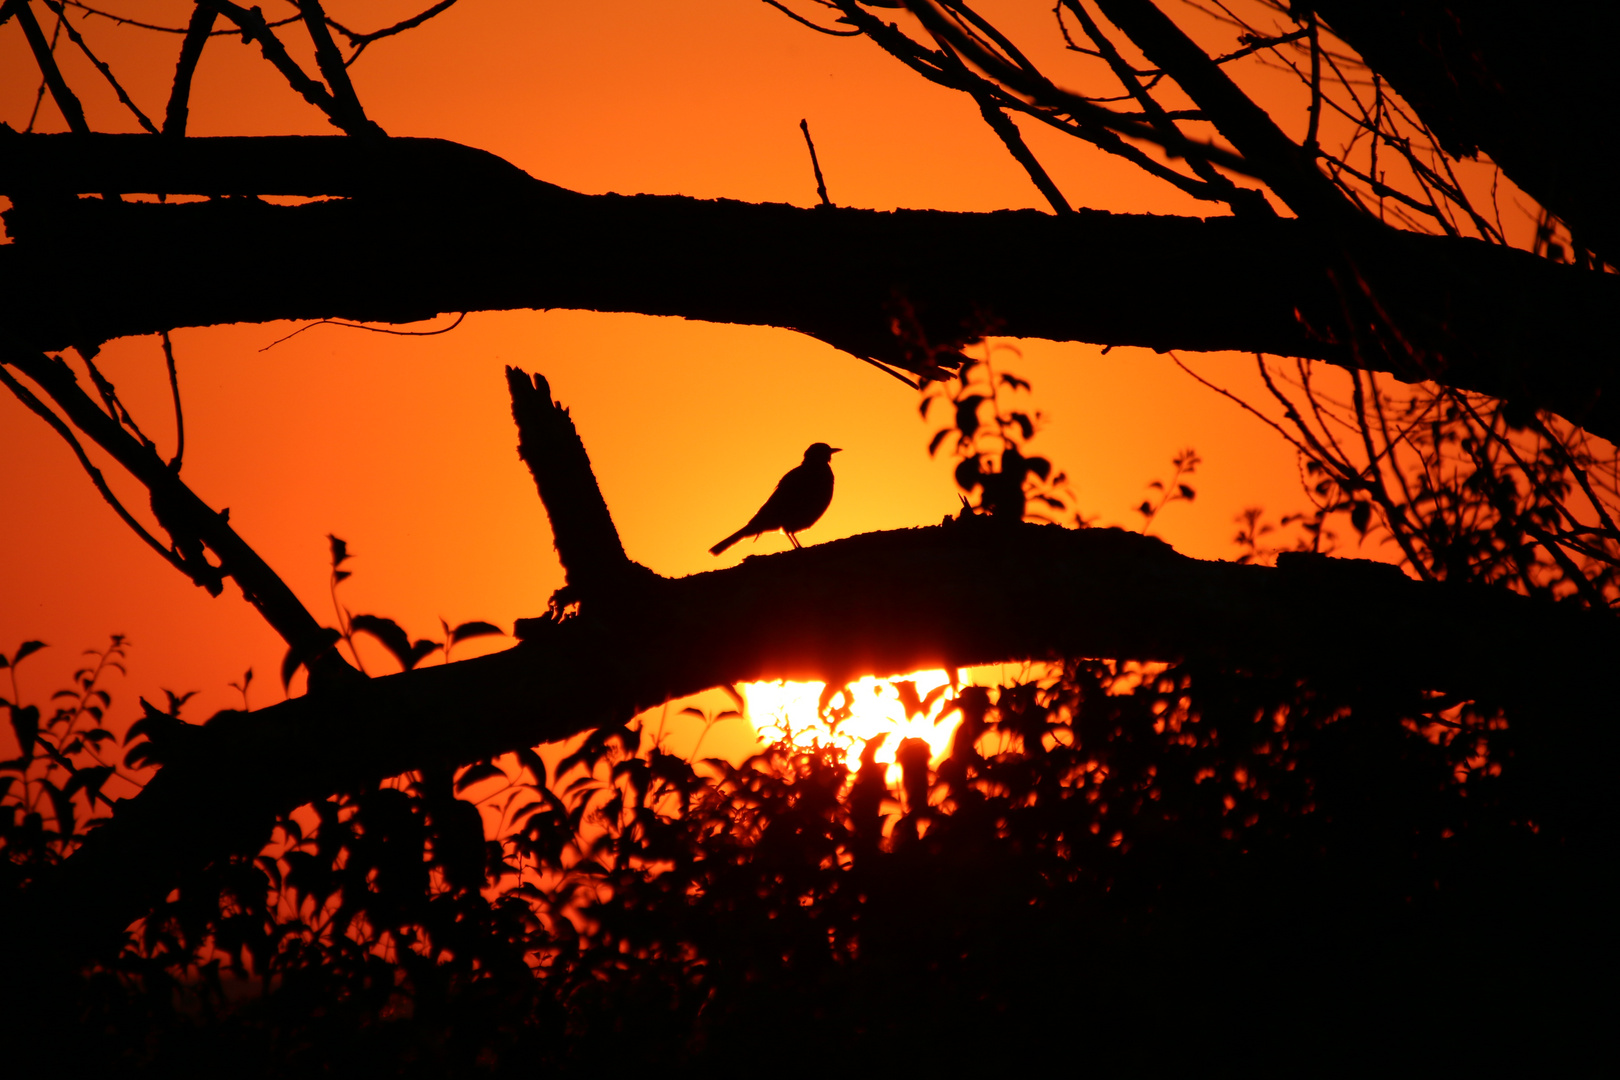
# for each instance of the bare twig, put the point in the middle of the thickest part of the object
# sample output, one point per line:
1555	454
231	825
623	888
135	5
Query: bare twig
44	412
818	28
360	41
66	100
191	523
371	329
101	66
1176	140
335	71
122	20
815	163
179	417
254	28
177	114
1314	124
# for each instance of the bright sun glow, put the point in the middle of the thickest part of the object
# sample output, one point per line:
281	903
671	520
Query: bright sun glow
790	709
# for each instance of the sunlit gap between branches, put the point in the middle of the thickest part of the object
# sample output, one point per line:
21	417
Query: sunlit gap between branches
913	706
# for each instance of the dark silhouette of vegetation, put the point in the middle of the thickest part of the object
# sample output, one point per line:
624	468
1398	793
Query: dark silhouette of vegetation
1292	812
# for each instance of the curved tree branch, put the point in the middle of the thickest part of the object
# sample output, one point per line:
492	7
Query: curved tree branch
1484	318
883	603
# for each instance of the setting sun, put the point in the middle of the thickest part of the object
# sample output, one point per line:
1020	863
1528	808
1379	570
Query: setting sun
792	710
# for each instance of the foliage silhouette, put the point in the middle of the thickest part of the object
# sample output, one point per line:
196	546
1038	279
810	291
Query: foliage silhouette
1264	864
1106	846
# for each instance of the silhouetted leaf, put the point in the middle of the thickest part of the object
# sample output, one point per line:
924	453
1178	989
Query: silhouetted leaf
474	629
89	780
967	474
1013	381
939	436
27	649
1186	492
1025	425
481	771
422	650
340	550
1361	516
61	807
534	763
25	724
387	631
297	658
967	414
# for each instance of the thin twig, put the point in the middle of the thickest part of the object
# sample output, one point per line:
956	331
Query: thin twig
815	163
106	72
57	425
1316	83
121	20
179	417
176	116
66	101
335	71
796	17
253	26
363	326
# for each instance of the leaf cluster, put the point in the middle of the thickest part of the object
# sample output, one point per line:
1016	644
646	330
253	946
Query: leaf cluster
1103	844
50	791
990	436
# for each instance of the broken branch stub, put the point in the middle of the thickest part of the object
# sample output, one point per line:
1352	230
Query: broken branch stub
582	529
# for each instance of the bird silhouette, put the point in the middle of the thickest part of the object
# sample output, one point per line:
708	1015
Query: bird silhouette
798	502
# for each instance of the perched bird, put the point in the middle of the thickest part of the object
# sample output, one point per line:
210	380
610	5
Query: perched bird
798	502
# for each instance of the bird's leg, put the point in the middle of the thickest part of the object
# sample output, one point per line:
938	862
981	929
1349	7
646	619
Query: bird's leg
794	540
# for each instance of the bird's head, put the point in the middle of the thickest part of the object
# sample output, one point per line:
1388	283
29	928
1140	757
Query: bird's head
820	452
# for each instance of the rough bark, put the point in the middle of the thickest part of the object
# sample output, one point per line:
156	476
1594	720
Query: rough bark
433	227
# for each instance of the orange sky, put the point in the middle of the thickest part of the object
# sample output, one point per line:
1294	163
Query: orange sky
404	446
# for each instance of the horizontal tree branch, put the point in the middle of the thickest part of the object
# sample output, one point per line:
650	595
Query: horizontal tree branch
433	227
971	591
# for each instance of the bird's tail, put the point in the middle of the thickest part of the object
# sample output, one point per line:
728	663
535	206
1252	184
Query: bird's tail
728	541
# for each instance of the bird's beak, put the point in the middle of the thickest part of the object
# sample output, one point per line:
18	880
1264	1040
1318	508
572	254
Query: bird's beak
837	450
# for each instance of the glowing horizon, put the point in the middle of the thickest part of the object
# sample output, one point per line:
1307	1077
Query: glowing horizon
790	710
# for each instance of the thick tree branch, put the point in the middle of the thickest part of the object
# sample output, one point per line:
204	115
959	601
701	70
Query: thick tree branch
883	603
1485	318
